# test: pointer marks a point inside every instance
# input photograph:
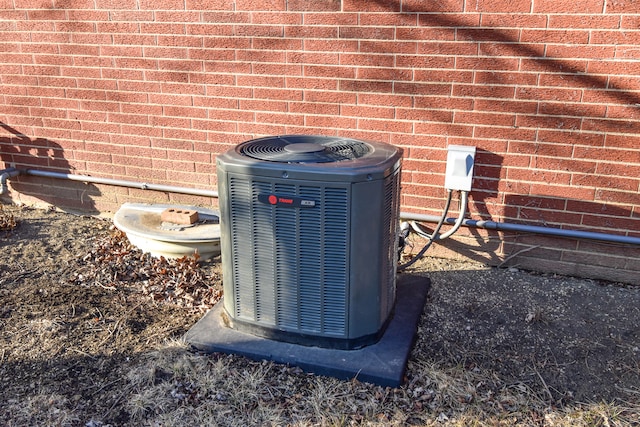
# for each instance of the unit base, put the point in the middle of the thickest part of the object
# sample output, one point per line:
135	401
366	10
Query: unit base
382	363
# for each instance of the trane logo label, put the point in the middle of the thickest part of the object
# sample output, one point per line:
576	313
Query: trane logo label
287	201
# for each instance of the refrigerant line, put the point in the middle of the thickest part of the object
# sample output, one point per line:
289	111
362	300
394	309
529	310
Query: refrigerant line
9	173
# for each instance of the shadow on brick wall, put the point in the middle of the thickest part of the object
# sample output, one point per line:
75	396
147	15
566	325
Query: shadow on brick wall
19	151
434	14
480	245
566	212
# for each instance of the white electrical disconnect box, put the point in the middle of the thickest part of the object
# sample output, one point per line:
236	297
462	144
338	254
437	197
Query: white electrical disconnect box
459	173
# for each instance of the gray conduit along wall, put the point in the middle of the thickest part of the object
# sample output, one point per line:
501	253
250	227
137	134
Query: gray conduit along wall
490	225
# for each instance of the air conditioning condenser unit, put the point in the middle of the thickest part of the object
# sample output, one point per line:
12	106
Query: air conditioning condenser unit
309	238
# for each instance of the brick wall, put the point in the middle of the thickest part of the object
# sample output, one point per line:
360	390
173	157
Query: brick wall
151	90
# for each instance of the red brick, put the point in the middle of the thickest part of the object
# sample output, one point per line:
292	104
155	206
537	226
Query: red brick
214	102
190	112
506	106
570	138
614	196
161	4
439	103
262	105
182	89
598	22
384	20
589	207
209	4
564	36
487	35
431	72
590	51
276	17
315	108
260	55
280	119
580	110
622	141
562	6
276	44
213	124
312	95
248	30
277	69
515	20
427	36
375	33
369	112
484	118
386	100
629	21
223	91
331	122
607	154
432	115
499	6
443	129
492	64
461	21
499	49
317	32
314	5
366	135
622	7
373	60
260	5
610	125
614	67
320	83
488	91
335	46
609	96
360	5
559	123
578	170
563	79
231	116
512	135
427	89
378	73
365	86
612	223
413	6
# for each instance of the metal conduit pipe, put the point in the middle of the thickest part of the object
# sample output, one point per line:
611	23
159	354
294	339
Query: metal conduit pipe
4	176
534	229
489	225
123	183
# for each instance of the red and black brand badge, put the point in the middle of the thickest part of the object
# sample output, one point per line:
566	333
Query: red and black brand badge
286	201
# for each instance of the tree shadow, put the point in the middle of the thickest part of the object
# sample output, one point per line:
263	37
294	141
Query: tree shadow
485	191
432	14
19	151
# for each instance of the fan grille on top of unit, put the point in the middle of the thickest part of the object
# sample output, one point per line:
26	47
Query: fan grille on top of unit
296	150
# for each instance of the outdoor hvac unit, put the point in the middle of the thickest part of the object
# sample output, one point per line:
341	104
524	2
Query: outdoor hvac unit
309	238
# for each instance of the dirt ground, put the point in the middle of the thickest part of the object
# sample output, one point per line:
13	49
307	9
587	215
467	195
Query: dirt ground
90	333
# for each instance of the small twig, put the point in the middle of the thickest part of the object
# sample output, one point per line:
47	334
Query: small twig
83	353
544	384
510	257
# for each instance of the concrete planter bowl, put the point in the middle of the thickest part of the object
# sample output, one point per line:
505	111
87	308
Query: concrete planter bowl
144	227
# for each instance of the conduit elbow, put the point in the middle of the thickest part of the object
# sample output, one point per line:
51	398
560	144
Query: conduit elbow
5	174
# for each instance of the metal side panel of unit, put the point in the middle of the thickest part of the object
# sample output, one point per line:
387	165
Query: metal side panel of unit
375	207
287	261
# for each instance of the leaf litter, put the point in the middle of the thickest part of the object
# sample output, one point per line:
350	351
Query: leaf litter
90	335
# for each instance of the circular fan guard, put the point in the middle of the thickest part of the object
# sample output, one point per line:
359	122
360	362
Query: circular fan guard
305	149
